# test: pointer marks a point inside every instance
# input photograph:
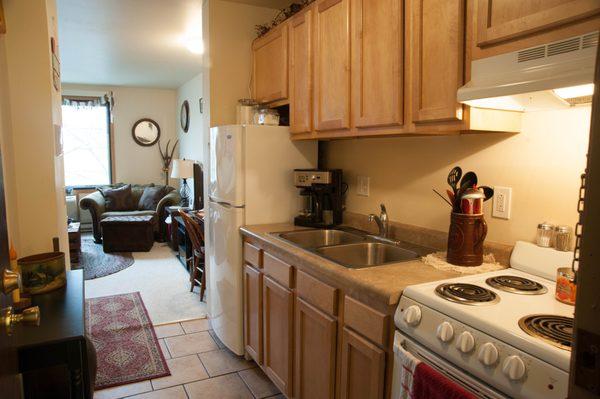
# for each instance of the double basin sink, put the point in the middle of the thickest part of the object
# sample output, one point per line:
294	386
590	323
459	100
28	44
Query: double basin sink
353	250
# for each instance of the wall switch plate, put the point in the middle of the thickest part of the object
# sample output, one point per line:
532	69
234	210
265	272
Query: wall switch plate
502	202
362	185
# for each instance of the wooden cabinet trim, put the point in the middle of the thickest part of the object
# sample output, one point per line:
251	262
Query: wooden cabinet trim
278	270
451	110
283	382
367	321
375	381
316	292
325	4
543	20
361	9
254	349
327	353
301	79
253	255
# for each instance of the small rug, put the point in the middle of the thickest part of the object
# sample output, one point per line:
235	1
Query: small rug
126	346
95	263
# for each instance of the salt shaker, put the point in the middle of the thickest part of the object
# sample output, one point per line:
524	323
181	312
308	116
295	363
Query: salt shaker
563	236
544	234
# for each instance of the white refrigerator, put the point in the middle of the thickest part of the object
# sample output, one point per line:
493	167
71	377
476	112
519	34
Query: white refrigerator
250	182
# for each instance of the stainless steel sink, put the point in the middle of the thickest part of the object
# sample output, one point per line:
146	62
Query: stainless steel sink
320	238
366	254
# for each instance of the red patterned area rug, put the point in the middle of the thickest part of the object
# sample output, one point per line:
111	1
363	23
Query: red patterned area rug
124	339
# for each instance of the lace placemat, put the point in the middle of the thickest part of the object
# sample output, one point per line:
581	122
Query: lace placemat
438	260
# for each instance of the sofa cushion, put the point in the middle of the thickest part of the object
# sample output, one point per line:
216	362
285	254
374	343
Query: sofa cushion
151	197
118	199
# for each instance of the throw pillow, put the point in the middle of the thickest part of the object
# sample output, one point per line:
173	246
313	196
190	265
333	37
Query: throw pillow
118	199
151	197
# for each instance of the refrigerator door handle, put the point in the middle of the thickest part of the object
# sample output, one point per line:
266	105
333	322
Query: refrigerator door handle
224	204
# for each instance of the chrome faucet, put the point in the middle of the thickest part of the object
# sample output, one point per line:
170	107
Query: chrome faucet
382	222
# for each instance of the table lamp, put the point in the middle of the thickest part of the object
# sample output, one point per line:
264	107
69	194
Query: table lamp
183	169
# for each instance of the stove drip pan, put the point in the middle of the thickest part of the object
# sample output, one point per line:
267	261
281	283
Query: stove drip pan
516	285
466	294
555	330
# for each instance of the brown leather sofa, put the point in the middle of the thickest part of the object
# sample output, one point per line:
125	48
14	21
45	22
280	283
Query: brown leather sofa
95	203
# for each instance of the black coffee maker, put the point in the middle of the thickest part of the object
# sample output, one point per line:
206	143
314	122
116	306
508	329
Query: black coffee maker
322	191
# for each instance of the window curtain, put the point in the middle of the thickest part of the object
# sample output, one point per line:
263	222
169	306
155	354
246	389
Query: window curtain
84	101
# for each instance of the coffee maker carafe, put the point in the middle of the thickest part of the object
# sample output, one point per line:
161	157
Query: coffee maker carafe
322	192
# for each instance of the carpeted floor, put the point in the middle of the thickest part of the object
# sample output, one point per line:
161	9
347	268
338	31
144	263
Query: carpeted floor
162	282
96	263
127	349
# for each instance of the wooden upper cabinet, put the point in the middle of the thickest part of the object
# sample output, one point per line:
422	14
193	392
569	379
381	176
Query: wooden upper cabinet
301	85
332	65
437	34
315	353
270	70
377	62
278	319
253	285
502	20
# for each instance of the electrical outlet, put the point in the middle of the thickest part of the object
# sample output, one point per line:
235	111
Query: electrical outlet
501	203
362	185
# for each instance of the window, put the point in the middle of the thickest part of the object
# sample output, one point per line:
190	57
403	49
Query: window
86	142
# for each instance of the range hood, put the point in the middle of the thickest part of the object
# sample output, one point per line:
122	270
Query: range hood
554	75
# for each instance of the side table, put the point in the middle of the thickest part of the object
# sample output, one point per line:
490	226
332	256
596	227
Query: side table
74	241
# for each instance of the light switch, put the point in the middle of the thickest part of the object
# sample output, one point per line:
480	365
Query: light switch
362	186
502	202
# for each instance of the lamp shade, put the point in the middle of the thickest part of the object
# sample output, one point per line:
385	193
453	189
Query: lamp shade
182	169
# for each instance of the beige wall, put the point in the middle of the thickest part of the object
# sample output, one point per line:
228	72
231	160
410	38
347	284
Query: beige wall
229	56
134	163
542	165
35	194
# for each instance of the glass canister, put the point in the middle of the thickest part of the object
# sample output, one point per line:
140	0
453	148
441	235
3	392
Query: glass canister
545	231
266	116
563	236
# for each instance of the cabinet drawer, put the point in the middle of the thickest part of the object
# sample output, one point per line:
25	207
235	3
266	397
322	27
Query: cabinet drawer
278	270
369	322
253	255
316	292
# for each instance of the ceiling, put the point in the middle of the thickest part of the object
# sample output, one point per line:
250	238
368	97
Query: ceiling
129	42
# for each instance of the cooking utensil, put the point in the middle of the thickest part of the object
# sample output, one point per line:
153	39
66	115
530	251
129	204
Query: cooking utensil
469	180
442	197
487	191
472	201
450	195
454	177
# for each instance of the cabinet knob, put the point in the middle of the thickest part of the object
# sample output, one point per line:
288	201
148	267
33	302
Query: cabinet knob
29	316
10	281
412	315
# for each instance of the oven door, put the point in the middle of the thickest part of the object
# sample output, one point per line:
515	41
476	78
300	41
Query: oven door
471	384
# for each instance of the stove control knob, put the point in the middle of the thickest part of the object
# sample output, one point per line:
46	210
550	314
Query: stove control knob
412	315
465	342
514	368
445	332
488	354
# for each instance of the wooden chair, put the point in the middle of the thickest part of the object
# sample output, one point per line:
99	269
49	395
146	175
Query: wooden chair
197	263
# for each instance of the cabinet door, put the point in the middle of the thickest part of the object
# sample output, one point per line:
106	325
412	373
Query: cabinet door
377	62
437	30
253	286
301	98
278	334
315	353
332	65
363	368
501	21
271	65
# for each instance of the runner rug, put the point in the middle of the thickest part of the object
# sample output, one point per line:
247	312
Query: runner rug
123	336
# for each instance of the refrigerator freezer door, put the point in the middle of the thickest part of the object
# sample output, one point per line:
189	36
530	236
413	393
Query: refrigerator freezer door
225	274
227	164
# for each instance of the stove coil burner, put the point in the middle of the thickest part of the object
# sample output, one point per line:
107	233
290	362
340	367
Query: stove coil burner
467	294
556	330
516	285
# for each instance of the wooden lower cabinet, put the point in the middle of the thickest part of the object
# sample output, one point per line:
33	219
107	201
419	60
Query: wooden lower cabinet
315	364
253	286
363	368
278	322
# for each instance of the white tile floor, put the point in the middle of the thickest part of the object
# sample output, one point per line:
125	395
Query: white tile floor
201	368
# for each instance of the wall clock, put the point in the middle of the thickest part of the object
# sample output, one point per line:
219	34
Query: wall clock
185	116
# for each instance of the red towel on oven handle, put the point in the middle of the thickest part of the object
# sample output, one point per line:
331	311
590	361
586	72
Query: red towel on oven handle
428	383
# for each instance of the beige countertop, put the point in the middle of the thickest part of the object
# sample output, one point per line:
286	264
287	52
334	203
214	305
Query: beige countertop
380	285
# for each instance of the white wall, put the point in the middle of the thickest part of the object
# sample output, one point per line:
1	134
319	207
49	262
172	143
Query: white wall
542	165
135	163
